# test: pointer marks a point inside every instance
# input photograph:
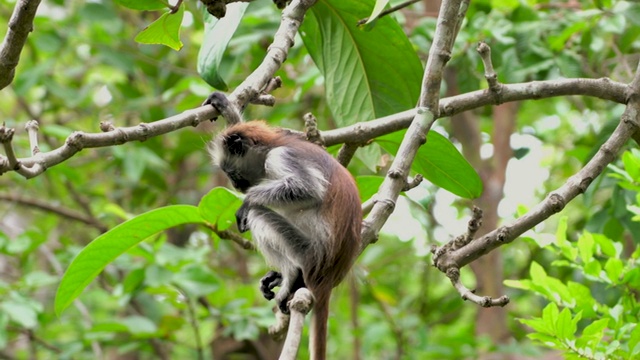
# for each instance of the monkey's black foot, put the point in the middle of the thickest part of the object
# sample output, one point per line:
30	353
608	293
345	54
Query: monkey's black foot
268	282
218	100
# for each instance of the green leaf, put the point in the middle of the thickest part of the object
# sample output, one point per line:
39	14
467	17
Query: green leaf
550	316
108	246
581	294
606	245
593	268
217	34
564	329
196	281
634	340
143	5
377	9
219	207
631	165
367	74
538	325
561	234
368	185
547	340
133	280
440	163
537	273
586	247
164	31
519	284
594	331
614	268
21	313
139	325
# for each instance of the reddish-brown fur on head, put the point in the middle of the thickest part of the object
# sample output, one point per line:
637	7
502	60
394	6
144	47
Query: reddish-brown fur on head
258	131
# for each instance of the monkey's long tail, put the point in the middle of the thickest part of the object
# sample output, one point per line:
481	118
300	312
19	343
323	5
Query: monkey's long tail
319	318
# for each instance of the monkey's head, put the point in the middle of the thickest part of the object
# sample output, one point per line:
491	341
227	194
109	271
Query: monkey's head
241	150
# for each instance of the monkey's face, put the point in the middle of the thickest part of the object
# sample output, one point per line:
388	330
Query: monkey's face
242	160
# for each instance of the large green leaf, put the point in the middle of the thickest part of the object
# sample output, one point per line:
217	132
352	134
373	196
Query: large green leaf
368	74
217	34
164	31
108	246
441	163
219	207
143	5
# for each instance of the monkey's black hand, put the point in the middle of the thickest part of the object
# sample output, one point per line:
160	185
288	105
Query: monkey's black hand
268	282
241	217
218	100
283	306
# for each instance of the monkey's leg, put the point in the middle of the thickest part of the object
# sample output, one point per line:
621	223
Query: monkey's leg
268	282
291	282
284	247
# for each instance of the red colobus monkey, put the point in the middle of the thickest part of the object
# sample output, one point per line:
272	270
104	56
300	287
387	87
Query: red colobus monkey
301	206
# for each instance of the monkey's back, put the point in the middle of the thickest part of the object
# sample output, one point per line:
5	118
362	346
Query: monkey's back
342	213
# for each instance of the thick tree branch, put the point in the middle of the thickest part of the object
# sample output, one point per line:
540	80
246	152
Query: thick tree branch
427	112
602	88
558	199
20	25
254	86
261	78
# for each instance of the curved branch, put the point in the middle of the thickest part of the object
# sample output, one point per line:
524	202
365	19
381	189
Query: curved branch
602	88
261	78
558	199
20	25
260	81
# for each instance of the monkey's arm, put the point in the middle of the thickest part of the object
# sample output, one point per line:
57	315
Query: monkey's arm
291	183
291	180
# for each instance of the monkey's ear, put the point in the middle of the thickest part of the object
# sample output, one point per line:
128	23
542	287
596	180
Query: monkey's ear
236	144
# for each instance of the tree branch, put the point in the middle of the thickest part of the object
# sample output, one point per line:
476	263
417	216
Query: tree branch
389	11
602	88
20	25
262	77
300	305
556	200
56	209
261	80
427	112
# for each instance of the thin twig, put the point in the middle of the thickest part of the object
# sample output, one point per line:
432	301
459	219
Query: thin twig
32	130
56	209
311	129
233	236
388	11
